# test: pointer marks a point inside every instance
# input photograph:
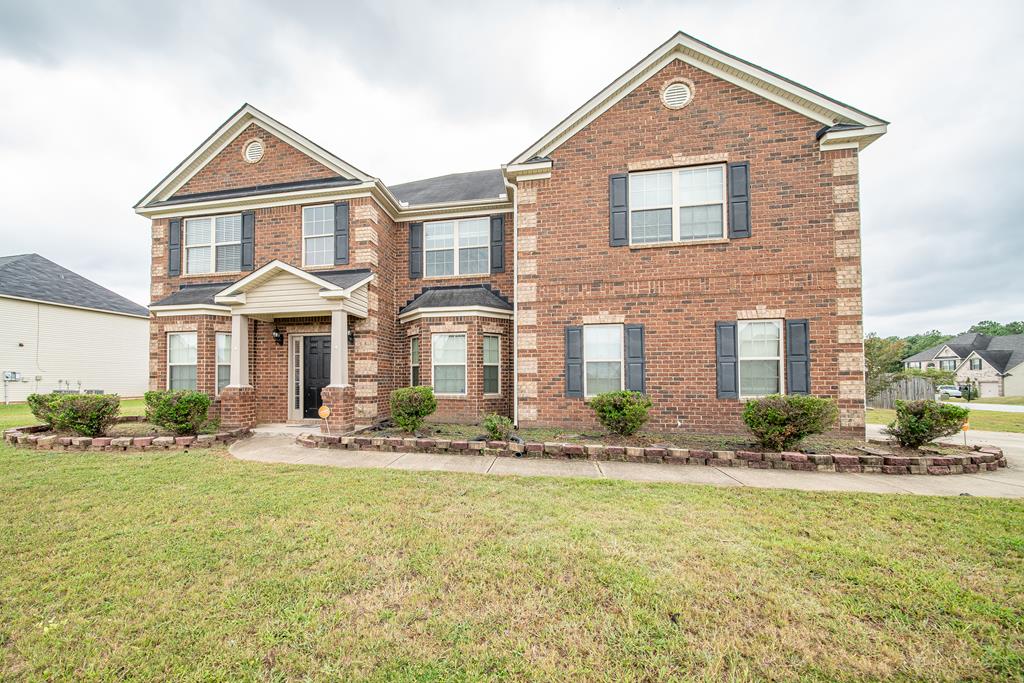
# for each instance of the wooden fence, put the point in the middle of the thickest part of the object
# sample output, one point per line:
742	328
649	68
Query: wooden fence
906	389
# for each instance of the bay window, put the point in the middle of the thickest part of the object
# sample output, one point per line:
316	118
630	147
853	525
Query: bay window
213	244
492	364
677	205
318	235
760	357
448	353
459	247
223	360
181	360
414	361
602	359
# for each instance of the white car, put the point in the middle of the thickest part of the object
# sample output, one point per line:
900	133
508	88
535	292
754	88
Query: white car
949	391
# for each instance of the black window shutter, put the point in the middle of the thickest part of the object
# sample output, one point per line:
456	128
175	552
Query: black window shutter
726	354
174	247
341	234
498	244
248	239
635	364
574	362
739	200
618	206
415	250
798	357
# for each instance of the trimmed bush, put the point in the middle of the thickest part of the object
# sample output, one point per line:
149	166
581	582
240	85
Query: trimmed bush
83	414
411	405
779	423
183	413
498	427
918	422
622	412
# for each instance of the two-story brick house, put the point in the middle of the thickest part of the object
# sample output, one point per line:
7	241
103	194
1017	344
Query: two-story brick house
691	232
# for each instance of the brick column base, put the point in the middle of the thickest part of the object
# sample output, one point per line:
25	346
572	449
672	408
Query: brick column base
238	407
342	402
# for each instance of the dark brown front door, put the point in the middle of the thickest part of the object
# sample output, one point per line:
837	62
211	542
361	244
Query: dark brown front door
316	365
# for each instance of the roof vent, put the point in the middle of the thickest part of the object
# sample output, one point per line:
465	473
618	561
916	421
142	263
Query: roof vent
253	151
677	94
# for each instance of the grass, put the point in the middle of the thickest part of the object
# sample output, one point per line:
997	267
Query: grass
986	421
1001	400
198	567
18	414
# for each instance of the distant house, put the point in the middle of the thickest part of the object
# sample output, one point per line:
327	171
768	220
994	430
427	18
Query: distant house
995	363
61	331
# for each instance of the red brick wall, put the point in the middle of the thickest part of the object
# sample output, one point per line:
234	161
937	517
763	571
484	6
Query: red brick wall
281	163
678	292
206	328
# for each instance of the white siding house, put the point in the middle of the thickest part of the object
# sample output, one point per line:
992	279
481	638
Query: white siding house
59	331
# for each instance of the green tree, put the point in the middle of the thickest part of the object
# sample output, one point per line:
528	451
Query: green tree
882	361
994	329
916	343
934	375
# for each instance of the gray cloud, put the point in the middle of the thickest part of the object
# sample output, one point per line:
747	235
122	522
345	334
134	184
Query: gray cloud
103	98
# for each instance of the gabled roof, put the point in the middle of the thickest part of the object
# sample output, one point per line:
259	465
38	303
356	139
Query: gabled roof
230	130
457	296
454	187
961	345
32	277
862	127
205	294
1002	353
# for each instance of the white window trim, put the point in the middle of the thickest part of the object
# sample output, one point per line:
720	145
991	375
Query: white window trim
946	361
434	366
675	206
306	237
781	357
497	364
170	364
457	222
622	357
212	244
418	363
218	365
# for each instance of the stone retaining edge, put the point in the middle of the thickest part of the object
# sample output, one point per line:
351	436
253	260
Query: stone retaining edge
29	437
985	458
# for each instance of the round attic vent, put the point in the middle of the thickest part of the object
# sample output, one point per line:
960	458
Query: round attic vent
677	94
253	151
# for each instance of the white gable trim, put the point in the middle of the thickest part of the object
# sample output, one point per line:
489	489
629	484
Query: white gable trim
739	72
235	292
945	348
455	311
227	133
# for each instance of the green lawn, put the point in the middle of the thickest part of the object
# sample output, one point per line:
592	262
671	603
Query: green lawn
18	414
198	567
987	421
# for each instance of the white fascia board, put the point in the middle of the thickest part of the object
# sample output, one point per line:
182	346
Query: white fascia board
189	309
348	291
535	170
204	207
715	62
855	138
80	308
456	311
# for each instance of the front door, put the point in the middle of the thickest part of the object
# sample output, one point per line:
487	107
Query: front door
316	363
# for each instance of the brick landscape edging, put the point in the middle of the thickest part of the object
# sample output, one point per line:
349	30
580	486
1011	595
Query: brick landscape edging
35	437
985	458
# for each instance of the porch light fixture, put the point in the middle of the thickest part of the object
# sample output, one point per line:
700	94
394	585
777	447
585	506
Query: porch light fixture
278	336
351	336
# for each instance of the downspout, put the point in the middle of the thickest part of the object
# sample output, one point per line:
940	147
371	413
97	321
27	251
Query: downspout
514	196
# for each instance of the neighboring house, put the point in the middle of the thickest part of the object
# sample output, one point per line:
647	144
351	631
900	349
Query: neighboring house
692	232
61	331
995	363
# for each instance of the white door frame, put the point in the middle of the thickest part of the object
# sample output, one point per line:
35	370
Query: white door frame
296	346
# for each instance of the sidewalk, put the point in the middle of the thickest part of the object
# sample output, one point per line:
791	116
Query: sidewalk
1005	483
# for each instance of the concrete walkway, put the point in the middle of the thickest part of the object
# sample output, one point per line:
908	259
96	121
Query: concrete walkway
1005	483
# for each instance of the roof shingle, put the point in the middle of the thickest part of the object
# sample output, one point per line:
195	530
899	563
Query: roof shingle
457	296
30	276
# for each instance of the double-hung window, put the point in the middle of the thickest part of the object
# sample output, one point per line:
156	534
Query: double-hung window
602	359
414	361
181	360
456	247
975	364
223	360
448	352
492	364
213	244
947	365
760	356
318	235
677	205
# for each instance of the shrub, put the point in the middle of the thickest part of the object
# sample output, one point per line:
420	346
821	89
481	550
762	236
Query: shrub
183	413
83	414
411	405
498	427
621	412
918	422
778	422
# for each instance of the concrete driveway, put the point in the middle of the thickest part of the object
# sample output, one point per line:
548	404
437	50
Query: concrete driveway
1005	483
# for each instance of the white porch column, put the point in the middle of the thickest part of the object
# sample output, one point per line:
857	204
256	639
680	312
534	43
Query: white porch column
339	349
239	350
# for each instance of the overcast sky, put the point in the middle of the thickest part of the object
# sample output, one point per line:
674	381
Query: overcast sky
99	100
